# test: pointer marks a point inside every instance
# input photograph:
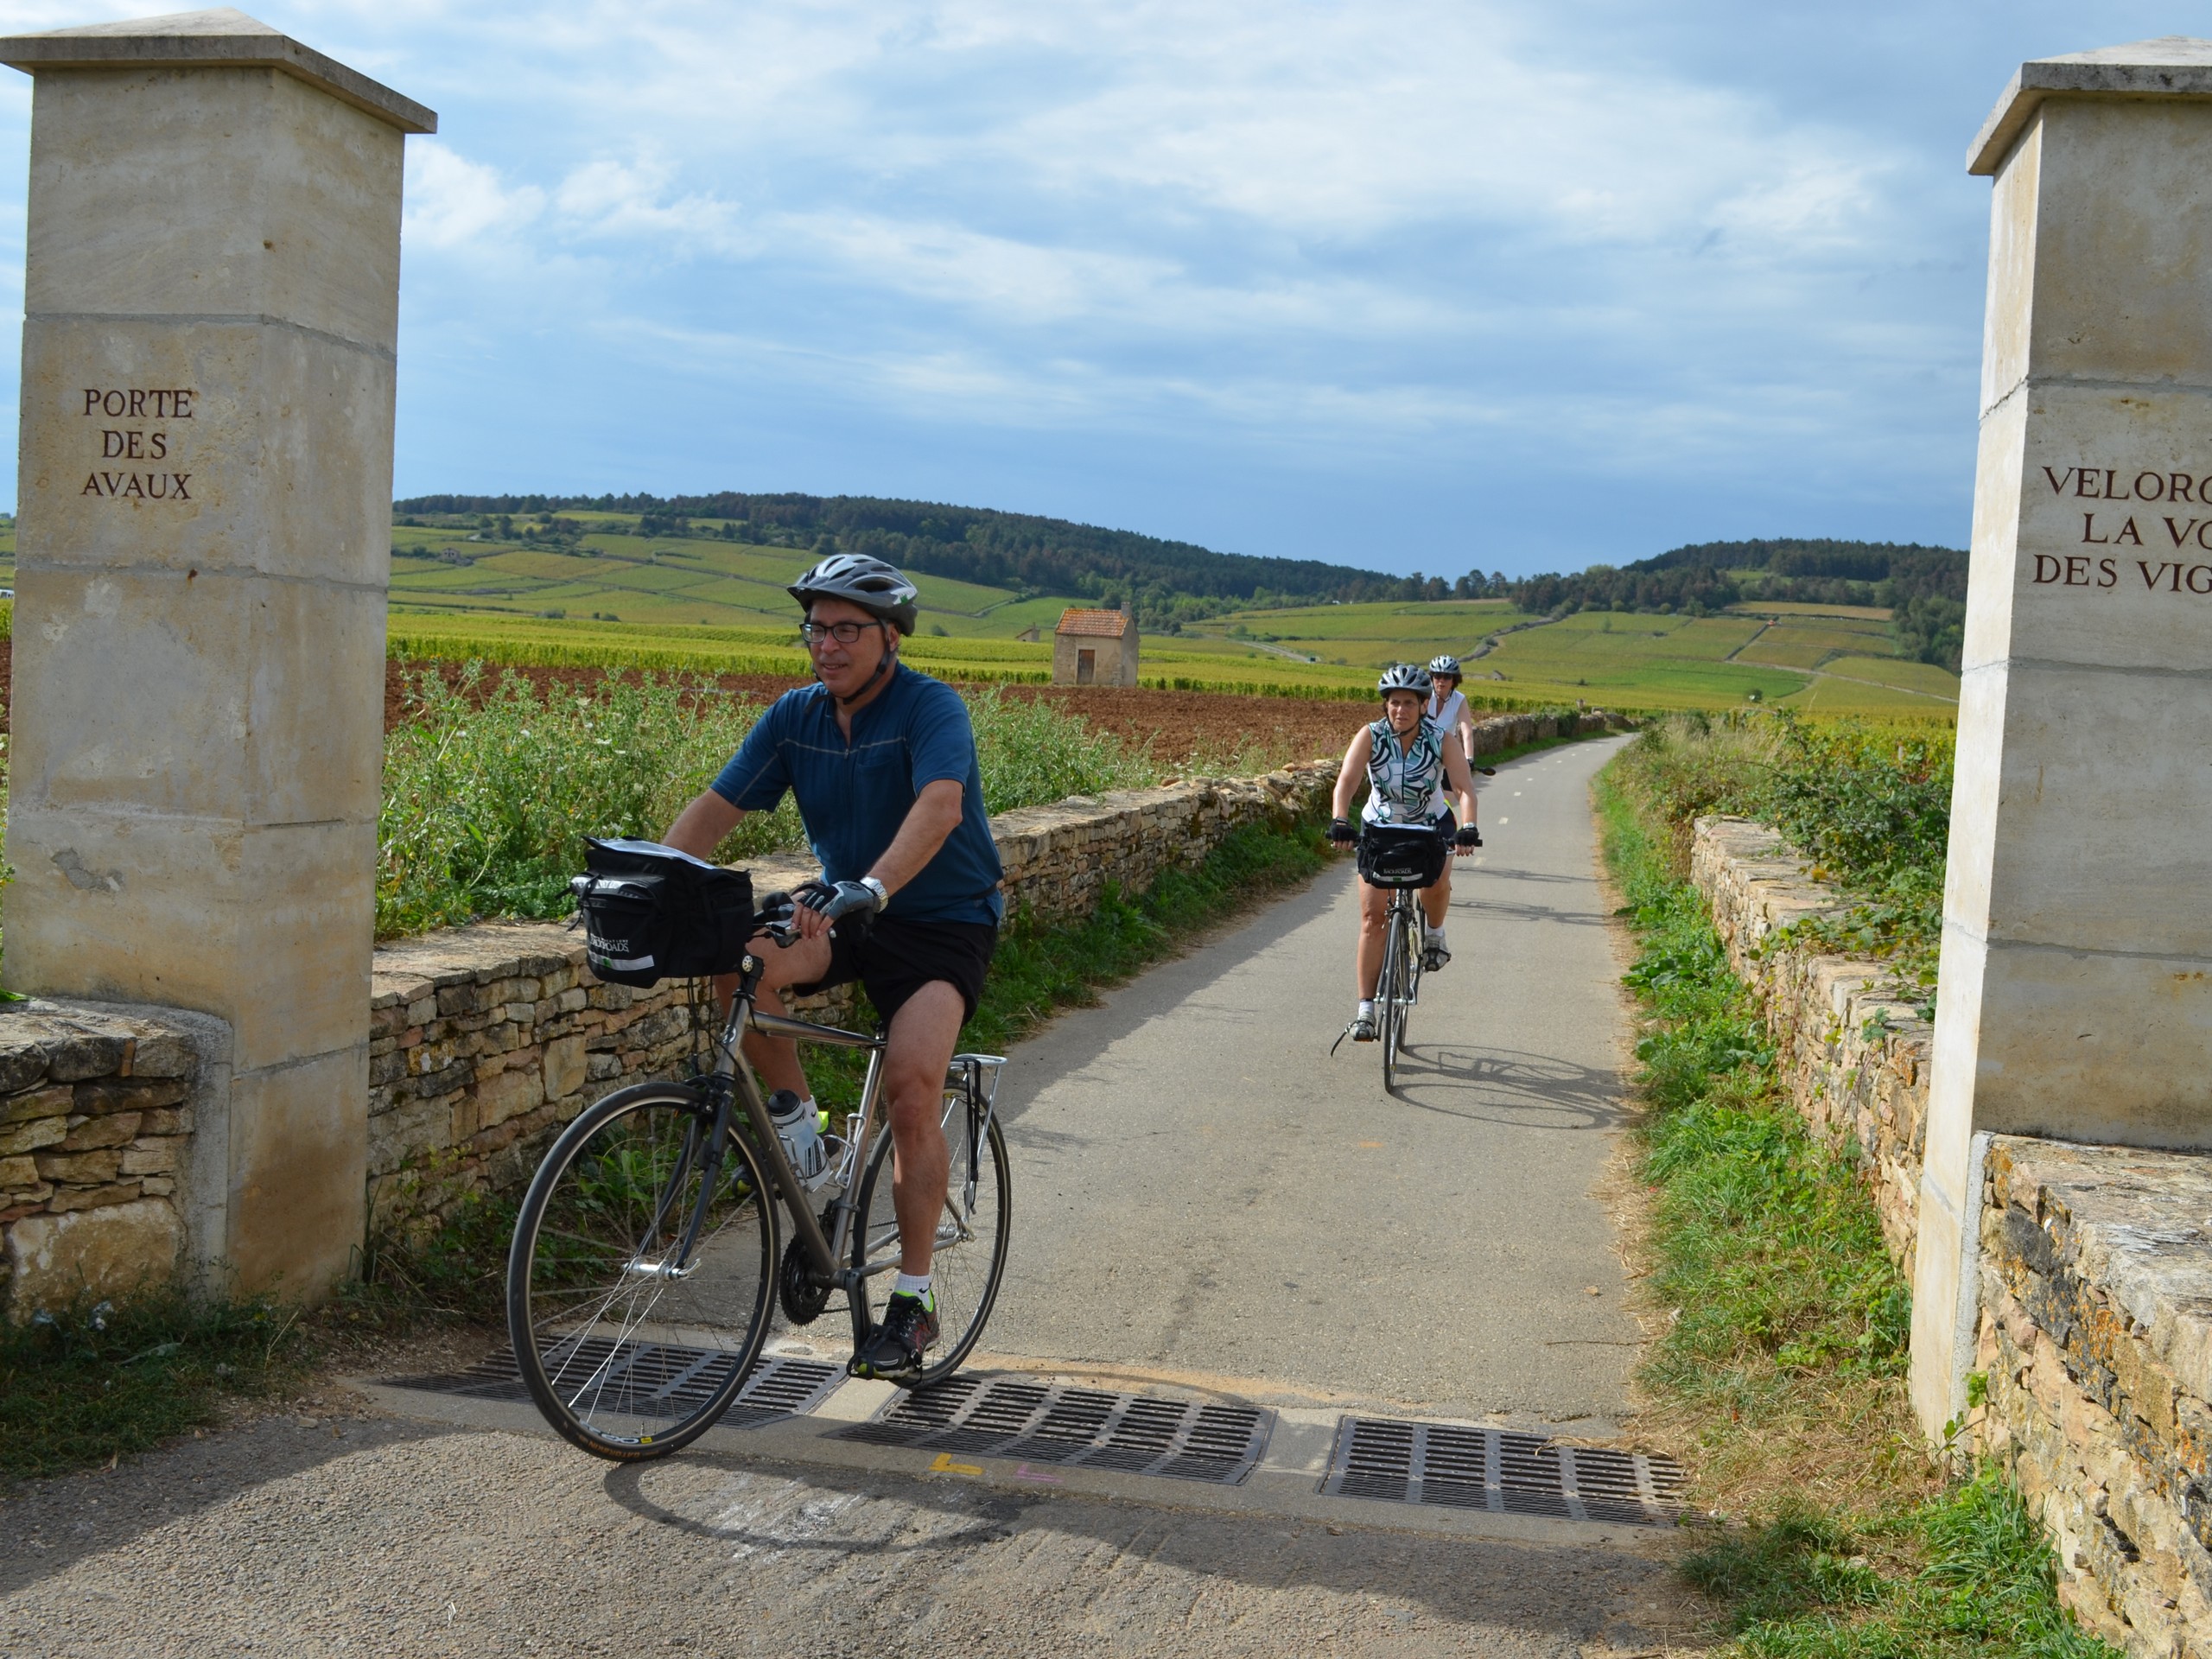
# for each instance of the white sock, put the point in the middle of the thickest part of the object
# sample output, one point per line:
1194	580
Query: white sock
911	1284
1435	935
1367	1007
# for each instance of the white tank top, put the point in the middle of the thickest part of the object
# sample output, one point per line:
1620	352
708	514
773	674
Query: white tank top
1405	785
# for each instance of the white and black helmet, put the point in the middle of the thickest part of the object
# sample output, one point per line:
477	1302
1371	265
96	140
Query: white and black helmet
1446	666
878	588
1405	677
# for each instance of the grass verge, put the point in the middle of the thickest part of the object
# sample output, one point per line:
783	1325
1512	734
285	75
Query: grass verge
88	1384
1779	1375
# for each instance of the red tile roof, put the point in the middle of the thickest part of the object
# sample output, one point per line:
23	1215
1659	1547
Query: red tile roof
1108	624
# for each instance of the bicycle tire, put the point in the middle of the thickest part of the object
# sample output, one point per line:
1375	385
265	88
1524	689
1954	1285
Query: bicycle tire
616	1193
1415	924
1387	1001
963	1305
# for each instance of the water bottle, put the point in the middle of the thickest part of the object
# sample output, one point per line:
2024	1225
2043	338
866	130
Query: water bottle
800	1131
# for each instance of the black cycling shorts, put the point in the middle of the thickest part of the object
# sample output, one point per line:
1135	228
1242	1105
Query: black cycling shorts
895	958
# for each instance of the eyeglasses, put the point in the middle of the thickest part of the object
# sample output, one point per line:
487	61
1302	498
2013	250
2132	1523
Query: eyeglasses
845	633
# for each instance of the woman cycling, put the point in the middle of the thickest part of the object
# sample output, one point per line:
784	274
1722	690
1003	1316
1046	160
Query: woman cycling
1447	707
1407	761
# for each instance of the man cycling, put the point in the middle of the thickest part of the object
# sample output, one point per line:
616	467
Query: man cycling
1407	761
882	761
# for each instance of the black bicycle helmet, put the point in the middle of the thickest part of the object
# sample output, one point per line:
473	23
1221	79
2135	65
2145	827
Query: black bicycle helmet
1446	666
878	588
1405	677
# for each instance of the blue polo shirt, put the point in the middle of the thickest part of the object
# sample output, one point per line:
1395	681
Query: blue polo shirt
853	795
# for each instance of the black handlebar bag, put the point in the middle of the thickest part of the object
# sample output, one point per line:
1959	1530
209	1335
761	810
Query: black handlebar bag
651	913
1401	855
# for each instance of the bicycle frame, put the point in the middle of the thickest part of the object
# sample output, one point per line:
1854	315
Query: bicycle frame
731	1081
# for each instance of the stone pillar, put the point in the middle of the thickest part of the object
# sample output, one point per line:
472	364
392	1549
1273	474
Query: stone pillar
2077	912
210	308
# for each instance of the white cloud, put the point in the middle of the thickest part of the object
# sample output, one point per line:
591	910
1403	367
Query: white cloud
452	201
1463	226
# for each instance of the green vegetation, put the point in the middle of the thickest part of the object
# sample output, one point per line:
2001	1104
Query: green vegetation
1867	801
488	793
699	583
1780	1373
1167	582
86	1384
1966	1572
1926	586
1838	659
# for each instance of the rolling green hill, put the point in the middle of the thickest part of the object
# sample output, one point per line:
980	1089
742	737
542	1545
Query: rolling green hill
1168	582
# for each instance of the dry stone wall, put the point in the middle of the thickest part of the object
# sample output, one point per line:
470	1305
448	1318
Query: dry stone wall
2095	1341
2096	1268
97	1119
1855	1050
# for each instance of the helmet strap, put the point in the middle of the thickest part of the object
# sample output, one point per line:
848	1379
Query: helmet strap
884	664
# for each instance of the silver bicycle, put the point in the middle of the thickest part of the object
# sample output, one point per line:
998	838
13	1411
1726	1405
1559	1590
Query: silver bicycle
646	1264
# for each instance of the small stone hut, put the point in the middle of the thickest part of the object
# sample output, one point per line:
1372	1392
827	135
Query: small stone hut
1094	648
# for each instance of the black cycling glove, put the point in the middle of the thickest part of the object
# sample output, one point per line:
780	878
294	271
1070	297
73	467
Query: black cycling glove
1341	832
846	899
1469	836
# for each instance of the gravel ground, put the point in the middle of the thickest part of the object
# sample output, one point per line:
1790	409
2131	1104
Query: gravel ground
352	1533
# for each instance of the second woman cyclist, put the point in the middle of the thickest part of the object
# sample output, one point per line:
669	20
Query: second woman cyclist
1407	761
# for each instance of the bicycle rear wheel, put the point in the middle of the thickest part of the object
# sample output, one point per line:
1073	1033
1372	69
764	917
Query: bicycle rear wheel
639	1285
972	1232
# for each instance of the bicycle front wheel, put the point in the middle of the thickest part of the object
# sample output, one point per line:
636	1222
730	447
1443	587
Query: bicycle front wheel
972	1231
1389	997
641	1280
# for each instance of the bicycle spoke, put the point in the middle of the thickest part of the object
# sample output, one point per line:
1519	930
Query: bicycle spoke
614	1321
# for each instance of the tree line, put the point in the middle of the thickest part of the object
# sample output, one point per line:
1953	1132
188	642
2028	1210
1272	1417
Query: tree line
1169	583
1925	587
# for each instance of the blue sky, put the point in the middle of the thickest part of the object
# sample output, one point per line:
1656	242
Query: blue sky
1403	283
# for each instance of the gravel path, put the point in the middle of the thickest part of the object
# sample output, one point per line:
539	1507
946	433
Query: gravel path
363	1535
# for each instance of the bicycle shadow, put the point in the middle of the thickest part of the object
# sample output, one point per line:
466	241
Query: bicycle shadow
903	1537
1515	1087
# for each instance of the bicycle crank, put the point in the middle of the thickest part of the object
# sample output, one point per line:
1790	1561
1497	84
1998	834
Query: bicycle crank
802	1291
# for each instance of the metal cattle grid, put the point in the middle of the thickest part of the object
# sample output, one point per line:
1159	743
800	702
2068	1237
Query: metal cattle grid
1503	1471
652	1378
1097	1428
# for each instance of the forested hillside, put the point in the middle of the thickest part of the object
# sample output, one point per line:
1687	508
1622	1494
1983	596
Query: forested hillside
1926	586
1170	582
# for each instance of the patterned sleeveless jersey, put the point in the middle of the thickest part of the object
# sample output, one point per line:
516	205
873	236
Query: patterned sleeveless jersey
1405	786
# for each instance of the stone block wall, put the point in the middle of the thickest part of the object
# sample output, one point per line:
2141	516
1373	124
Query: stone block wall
96	1127
2094	1330
2095	1341
1855	1050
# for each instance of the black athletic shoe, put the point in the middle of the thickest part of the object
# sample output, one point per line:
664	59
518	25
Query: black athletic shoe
894	1349
1433	956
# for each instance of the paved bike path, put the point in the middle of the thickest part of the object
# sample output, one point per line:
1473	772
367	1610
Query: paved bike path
1203	1192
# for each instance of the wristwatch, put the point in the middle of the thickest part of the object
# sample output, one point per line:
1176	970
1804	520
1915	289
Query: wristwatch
882	893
